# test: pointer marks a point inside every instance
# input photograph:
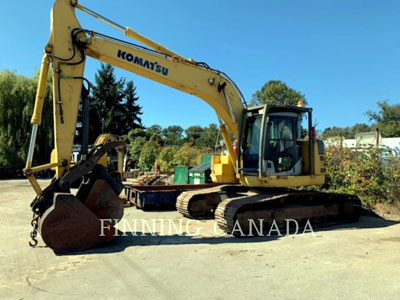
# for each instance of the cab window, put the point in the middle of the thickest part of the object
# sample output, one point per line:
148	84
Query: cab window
252	143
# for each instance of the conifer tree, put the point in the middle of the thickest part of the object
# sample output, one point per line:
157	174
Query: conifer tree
113	105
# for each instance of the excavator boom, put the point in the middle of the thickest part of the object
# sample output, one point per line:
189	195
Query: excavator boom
69	45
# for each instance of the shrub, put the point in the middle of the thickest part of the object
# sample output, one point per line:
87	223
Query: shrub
365	173
148	155
187	155
166	159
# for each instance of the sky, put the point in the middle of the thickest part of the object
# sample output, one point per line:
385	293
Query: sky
343	55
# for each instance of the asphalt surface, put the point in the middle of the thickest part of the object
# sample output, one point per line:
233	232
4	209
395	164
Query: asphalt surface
351	261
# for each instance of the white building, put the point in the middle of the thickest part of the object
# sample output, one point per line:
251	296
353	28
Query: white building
366	140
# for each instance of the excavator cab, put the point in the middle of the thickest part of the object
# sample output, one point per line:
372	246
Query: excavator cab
273	141
282	154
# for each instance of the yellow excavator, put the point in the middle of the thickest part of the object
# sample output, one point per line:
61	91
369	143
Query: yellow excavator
273	155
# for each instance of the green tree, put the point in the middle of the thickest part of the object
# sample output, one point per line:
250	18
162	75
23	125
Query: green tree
148	155
130	111
346	132
135	146
154	130
277	92
193	133
172	135
333	131
209	137
187	155
359	128
154	133
166	159
387	119
17	97
134	133
113	105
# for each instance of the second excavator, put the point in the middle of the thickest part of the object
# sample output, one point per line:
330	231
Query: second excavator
274	152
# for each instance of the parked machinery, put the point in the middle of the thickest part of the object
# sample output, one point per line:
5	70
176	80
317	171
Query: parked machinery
272	154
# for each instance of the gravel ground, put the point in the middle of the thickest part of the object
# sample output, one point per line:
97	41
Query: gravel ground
353	261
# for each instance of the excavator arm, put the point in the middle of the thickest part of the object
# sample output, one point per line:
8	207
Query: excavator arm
66	51
69	221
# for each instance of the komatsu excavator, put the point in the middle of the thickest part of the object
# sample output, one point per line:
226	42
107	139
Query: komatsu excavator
272	157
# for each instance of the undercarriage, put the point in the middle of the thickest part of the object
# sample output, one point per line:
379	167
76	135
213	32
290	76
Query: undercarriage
239	206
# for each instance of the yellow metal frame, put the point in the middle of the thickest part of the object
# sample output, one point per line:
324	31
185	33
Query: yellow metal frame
68	66
163	66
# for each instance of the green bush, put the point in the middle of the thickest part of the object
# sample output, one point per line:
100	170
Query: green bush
166	159
187	155
148	155
366	173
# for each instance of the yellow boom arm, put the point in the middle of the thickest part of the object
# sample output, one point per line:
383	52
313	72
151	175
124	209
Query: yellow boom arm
67	49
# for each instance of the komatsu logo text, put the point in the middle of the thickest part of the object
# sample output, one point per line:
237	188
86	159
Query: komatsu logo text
154	66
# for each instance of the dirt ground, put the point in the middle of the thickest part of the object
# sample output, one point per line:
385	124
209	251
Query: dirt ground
352	261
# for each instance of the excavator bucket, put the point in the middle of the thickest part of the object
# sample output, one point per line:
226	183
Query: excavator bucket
103	201
69	222
68	225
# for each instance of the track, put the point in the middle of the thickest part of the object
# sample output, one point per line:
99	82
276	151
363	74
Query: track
301	206
199	203
233	205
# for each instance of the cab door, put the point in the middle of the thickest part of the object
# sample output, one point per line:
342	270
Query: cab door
250	142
